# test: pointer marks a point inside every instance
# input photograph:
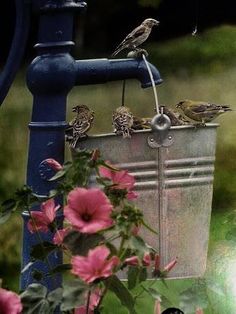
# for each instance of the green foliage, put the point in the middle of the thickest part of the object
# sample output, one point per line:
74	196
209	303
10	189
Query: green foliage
206	52
36	299
120	290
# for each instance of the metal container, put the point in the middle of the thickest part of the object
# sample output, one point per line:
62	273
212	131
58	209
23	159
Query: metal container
175	185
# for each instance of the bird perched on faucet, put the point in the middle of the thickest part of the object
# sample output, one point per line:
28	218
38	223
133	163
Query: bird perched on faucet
201	111
137	36
79	125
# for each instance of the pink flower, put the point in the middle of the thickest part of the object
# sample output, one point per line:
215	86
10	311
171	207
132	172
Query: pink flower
171	265
146	259
54	164
199	311
9	302
93	302
157	262
88	210
122	180
41	220
134	260
95	265
59	236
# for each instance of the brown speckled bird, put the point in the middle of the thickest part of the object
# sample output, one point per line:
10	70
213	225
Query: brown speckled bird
201	111
122	121
79	125
137	36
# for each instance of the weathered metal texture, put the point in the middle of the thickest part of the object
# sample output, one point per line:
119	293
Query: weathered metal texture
175	187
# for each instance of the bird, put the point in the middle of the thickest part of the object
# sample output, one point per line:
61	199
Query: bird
137	36
201	111
175	117
79	125
141	123
122	121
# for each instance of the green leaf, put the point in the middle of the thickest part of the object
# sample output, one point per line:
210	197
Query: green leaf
36	300
133	275
58	175
116	286
55	297
73	294
7	207
41	250
142	274
80	243
60	269
4	217
139	245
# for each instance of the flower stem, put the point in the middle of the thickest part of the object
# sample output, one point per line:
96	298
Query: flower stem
88	301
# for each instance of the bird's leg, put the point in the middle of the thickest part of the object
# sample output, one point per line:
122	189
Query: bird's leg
137	53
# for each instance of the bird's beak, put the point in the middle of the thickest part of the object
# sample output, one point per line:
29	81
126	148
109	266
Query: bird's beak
155	22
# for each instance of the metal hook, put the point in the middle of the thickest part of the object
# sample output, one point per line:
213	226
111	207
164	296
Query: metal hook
160	125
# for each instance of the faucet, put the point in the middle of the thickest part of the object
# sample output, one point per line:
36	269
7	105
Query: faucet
50	77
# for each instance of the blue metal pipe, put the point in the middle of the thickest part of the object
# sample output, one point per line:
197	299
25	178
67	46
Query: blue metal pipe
50	77
97	71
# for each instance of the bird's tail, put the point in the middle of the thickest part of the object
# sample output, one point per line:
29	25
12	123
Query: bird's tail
225	108
117	50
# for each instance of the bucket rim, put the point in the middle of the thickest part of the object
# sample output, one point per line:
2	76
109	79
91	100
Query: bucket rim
172	128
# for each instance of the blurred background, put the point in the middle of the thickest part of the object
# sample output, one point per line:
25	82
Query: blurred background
195	50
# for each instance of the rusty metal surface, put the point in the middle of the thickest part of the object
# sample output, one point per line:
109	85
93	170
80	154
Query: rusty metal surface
175	186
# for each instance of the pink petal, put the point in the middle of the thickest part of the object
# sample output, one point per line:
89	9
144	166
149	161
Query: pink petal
49	209
199	311
131	195
88	210
146	259
59	236
95	265
39	222
132	261
169	266
82	310
157	307
55	165
10	302
105	172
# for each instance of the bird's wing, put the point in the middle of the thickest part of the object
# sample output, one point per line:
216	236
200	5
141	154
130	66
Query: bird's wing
137	32
203	107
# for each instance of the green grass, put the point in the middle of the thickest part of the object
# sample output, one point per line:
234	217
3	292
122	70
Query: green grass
216	83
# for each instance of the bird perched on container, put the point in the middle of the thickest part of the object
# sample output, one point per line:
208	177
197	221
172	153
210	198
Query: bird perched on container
201	111
137	36
79	125
175	117
141	123
122	121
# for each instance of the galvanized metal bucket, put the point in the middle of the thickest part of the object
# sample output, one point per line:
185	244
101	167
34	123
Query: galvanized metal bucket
175	185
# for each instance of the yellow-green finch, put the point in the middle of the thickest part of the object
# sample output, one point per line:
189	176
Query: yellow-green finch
201	111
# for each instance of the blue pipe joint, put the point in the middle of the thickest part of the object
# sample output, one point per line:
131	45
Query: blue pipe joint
97	71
